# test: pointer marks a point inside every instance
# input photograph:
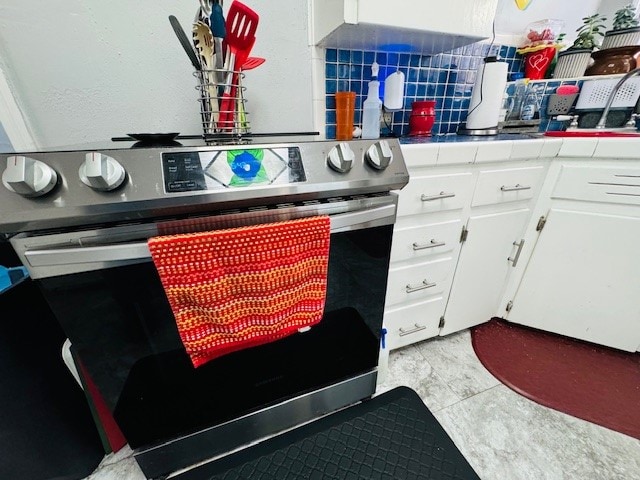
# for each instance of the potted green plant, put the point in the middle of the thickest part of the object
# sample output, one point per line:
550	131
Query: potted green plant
625	31
574	61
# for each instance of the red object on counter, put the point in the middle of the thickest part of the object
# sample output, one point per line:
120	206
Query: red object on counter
567	90
537	63
577	133
426	107
423	116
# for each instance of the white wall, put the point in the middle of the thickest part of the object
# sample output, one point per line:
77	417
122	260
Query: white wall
511	22
84	70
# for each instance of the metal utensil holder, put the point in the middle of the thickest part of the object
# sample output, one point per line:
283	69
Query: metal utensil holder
222	103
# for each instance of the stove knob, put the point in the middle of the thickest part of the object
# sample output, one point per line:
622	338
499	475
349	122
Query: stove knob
28	177
101	172
379	155
341	158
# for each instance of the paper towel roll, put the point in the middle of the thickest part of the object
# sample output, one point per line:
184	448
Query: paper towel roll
491	80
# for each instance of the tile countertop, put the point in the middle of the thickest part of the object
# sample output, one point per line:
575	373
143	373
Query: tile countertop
442	150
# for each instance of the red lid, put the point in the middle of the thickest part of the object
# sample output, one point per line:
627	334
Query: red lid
423	104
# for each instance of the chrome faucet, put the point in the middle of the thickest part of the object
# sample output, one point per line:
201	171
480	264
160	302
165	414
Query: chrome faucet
603	119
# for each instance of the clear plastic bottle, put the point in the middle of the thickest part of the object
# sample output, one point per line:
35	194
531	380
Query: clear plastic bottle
372	107
519	92
506	107
530	110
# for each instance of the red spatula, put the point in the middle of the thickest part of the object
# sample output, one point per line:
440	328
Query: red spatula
241	26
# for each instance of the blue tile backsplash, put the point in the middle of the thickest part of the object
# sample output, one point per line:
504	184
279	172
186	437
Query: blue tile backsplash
447	78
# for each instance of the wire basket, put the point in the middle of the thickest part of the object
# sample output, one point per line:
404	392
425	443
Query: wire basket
222	103
594	94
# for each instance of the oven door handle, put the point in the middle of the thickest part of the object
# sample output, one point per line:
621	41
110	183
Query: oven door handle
139	251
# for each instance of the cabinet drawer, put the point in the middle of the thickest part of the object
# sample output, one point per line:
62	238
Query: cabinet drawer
599	184
425	194
425	240
418	281
407	325
508	185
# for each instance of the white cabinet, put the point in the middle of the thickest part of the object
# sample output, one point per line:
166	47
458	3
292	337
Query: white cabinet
500	210
583	276
426	245
583	279
492	247
427	27
439	280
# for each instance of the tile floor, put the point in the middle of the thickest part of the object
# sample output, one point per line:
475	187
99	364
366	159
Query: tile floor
502	434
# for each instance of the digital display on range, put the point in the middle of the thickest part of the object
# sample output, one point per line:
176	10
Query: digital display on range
214	170
183	172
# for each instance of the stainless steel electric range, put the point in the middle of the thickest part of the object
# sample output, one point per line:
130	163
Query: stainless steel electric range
80	219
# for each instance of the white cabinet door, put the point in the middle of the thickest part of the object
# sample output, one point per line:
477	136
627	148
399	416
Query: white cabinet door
483	268
583	279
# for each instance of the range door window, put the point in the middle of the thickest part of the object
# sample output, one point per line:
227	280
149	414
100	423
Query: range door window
124	335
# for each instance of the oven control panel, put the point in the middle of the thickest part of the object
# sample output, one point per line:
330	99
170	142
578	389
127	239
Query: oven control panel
214	170
111	184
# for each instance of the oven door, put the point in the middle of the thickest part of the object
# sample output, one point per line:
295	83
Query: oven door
106	294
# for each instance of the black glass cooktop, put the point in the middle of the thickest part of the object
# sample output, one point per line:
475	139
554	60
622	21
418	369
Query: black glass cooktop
169	140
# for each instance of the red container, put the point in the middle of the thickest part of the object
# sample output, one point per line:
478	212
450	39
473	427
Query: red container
537	63
427	107
423	116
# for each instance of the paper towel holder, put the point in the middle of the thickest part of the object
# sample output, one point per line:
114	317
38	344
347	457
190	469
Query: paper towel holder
463	130
483	106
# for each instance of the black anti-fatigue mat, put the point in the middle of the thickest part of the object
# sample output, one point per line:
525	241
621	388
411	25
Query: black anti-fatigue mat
392	437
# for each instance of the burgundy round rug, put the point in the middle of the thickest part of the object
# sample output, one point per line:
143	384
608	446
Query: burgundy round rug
595	383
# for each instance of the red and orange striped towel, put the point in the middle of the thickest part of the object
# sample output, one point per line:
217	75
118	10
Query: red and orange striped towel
242	287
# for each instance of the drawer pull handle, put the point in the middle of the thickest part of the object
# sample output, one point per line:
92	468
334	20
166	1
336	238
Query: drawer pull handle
432	244
425	284
515	188
622	194
440	196
417	328
514	260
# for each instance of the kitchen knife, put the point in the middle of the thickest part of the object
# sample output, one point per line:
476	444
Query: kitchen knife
184	41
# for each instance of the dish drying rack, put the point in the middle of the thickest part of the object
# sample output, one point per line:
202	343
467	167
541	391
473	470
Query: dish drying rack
222	104
594	94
